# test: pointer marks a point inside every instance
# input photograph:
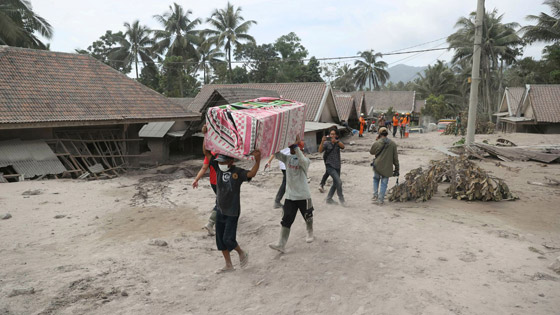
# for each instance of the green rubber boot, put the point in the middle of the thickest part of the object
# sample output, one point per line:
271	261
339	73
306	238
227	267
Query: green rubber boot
281	246
310	238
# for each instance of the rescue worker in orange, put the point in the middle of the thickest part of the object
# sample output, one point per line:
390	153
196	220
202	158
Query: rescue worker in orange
402	124
395	123
362	125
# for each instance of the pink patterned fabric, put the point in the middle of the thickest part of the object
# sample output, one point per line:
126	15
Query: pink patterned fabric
268	124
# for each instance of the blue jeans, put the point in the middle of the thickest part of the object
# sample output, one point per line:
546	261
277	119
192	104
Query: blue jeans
337	183
384	182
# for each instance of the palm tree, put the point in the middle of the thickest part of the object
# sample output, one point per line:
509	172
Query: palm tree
547	28
344	79
500	45
135	44
209	55
371	70
18	24
436	80
179	33
229	29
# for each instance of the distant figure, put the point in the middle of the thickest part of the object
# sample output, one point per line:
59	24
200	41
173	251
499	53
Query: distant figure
457	124
385	152
298	196
381	121
362	125
395	124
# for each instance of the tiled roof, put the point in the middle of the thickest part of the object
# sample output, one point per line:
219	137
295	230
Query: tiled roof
184	102
343	103
380	101
545	100
515	96
309	93
38	86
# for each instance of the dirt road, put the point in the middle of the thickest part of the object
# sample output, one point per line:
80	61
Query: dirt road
80	247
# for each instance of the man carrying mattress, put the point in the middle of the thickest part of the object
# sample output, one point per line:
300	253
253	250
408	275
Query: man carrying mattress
298	196
228	189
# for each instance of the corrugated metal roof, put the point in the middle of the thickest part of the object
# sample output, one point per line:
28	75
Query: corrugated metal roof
30	158
155	129
314	126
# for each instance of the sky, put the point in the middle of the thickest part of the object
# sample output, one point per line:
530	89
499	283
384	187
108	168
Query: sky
327	28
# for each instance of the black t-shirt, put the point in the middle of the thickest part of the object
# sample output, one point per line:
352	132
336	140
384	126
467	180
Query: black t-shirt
229	188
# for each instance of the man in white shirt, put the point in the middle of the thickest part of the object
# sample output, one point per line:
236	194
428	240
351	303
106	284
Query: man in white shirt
298	196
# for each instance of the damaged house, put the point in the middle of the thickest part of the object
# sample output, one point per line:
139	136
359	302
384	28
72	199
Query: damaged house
64	114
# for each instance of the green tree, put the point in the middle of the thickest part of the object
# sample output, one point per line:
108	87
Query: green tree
312	71
19	25
291	67
208	56
175	82
102	48
344	79
500	46
438	108
136	45
437	79
179	33
547	28
370	69
260	60
150	77
229	29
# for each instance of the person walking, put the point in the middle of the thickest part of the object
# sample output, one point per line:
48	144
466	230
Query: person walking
282	189
402	124
381	121
331	156
395	124
228	194
298	196
386	156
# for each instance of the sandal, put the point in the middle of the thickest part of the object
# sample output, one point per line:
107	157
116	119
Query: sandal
224	270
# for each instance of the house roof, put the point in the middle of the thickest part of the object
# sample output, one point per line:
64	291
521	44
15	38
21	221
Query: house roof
381	101
545	100
156	129
344	103
184	102
309	93
44	88
30	158
513	96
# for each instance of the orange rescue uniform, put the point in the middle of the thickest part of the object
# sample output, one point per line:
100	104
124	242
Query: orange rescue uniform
362	125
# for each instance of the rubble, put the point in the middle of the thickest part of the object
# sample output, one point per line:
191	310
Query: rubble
466	182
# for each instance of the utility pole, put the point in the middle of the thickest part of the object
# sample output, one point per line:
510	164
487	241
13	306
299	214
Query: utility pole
475	76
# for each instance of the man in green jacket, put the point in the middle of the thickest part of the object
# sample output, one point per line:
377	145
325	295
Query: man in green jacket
385	152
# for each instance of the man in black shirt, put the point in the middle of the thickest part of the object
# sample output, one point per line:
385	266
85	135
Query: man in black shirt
228	188
331	147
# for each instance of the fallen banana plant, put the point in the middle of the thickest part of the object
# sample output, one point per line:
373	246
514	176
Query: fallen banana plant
466	180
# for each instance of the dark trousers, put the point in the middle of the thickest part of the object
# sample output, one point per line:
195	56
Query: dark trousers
395	131
226	231
282	188
291	208
337	183
324	179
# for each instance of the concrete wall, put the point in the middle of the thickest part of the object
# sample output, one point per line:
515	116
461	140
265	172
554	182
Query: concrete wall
310	139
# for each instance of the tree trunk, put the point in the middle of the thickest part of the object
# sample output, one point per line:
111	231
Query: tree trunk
181	80
229	63
136	61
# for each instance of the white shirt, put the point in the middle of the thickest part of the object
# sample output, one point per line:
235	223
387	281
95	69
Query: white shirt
285	151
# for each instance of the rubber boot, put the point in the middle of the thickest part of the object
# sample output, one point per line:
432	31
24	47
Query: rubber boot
210	225
309	237
284	235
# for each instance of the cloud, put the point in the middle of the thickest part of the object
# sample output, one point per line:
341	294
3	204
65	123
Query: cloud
327	27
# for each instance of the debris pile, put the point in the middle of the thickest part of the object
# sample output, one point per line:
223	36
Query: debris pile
481	128
466	182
